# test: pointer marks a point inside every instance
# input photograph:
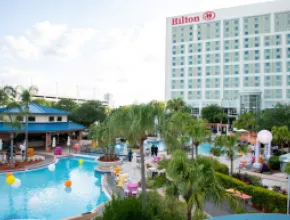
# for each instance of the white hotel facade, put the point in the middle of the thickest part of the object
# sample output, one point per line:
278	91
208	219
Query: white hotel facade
238	58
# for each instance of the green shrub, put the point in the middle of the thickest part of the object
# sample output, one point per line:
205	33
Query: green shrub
160	181
163	164
220	167
274	163
131	208
262	198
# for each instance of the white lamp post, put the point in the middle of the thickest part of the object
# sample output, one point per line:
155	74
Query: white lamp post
265	137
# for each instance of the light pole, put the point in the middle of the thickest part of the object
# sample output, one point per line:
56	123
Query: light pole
264	137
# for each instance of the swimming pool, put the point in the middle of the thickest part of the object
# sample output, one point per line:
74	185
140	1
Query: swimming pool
42	194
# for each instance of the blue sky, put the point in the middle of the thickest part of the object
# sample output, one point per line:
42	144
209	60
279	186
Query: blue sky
115	46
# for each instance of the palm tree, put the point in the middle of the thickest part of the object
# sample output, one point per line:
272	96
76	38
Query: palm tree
287	171
246	121
229	144
137	123
199	132
7	95
280	135
177	105
26	97
14	124
196	180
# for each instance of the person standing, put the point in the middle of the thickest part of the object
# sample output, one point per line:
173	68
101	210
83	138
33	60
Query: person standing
253	150
152	150
156	151
130	153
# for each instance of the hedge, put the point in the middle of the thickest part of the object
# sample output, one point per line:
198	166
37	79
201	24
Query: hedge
274	163
264	199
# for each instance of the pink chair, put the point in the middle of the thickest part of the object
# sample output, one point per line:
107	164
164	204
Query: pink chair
58	151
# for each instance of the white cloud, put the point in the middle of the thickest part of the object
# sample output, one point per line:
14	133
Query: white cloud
47	39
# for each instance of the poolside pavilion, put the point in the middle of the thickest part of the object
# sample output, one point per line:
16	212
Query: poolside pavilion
44	124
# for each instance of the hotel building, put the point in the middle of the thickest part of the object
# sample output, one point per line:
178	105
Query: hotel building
238	58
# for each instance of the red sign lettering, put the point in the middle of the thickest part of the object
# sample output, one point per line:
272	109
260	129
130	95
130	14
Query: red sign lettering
185	20
209	15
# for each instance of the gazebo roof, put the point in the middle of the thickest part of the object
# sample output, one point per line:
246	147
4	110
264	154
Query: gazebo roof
35	109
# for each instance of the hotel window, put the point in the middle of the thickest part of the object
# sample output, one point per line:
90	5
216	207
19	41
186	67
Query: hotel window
59	118
194	59
195	71
273	93
213	94
231	82
31	118
282	21
257	25
252	68
231	44
231	28
207	31
177	94
212	70
194	95
270	54
252	42
273	40
231	94
251	81
212	46
273	81
288	39
231	70
230	57
288	52
273	67
288	66
212	58
195	48
51	118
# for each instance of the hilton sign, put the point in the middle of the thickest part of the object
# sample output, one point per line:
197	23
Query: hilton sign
209	15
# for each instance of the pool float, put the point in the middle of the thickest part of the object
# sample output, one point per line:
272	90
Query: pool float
68	183
10	180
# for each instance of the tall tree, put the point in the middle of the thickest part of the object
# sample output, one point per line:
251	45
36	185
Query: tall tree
88	113
26	97
277	116
66	104
213	114
246	121
197	182
280	135
7	95
229	144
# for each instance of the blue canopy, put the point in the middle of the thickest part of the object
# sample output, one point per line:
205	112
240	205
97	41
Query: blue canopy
44	127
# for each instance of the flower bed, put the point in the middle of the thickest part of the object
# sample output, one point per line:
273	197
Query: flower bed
263	199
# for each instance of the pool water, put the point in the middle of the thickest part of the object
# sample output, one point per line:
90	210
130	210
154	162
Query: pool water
254	217
204	148
42	194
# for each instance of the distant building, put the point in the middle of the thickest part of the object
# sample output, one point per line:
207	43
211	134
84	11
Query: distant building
44	123
108	98
55	99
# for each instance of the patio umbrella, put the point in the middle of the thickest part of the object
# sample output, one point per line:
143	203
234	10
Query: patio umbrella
1	143
53	142
68	141
134	165
125	149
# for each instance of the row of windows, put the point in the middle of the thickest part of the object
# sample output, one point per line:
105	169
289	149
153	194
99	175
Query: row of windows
216	94
253	42
32	118
249	68
231	82
229	57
